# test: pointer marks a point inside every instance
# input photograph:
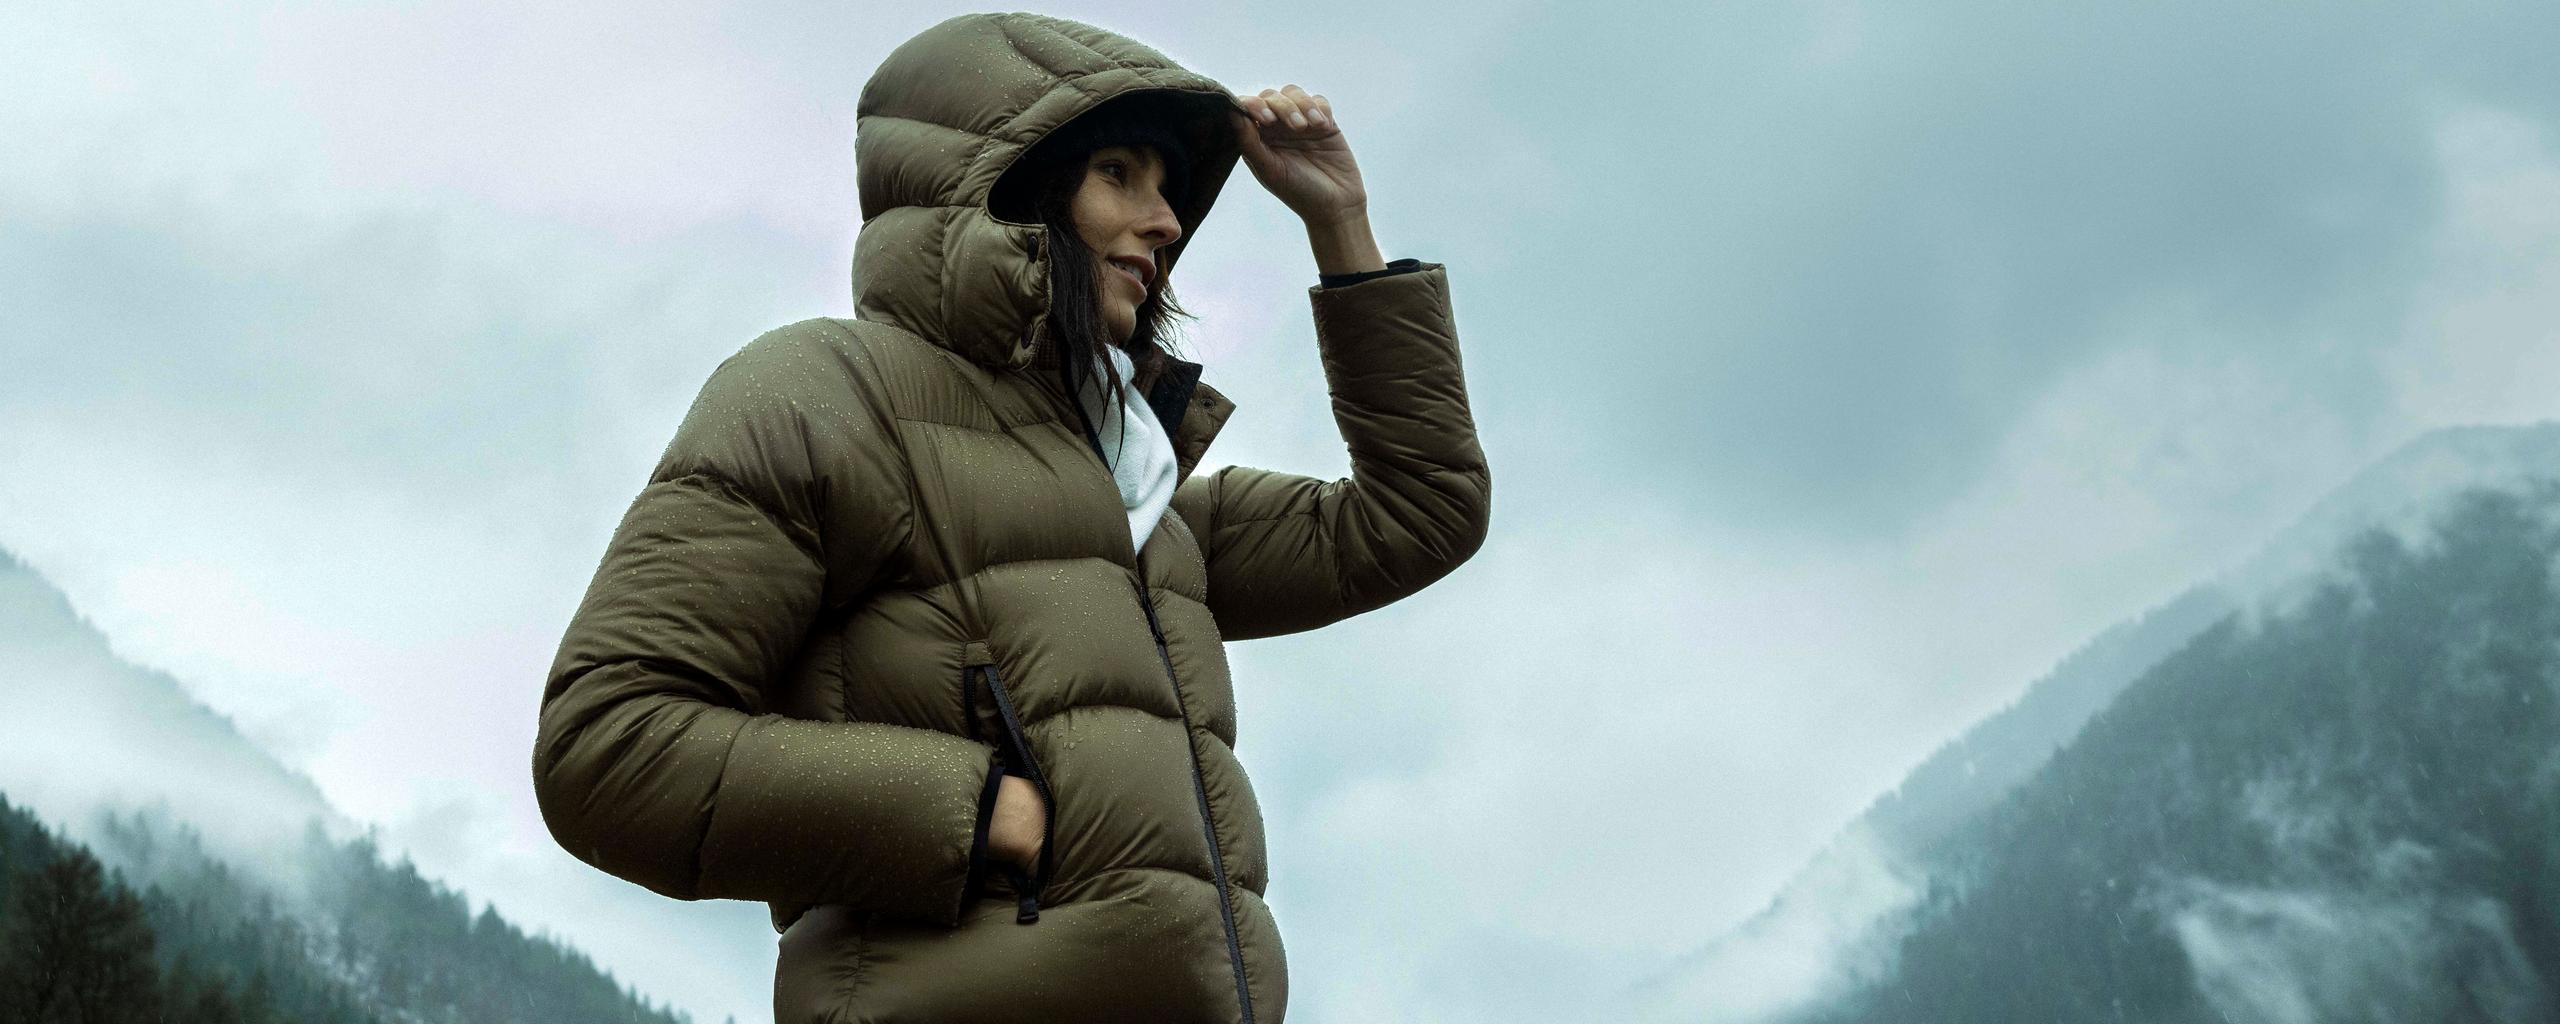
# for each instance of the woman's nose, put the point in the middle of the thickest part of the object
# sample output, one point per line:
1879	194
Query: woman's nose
1160	227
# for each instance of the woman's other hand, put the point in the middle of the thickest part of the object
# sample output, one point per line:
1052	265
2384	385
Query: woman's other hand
1014	830
1297	151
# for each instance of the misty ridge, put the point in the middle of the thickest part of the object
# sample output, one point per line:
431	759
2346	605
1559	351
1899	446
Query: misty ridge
2321	787
155	865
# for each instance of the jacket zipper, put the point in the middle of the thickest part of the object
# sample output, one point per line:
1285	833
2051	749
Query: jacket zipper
1027	887
1200	789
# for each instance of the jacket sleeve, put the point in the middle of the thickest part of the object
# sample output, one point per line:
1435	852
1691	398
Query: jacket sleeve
1286	552
657	757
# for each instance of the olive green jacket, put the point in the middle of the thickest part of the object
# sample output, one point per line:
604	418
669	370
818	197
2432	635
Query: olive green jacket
880	565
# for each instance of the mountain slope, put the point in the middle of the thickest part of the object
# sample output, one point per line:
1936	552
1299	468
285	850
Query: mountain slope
1836	922
95	731
2348	811
147	925
2401	494
246	901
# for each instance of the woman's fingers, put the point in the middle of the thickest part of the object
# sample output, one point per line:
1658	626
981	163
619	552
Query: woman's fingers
1312	108
1285	105
1302	112
1297	150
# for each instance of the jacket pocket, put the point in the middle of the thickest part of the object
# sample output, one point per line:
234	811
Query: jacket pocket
982	680
819	962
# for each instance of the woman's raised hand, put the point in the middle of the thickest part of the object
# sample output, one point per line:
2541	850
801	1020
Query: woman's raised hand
1297	151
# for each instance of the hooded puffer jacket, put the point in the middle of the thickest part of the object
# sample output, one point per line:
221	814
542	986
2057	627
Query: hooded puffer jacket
881	564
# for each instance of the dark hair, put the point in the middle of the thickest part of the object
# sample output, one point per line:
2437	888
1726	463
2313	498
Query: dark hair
1075	323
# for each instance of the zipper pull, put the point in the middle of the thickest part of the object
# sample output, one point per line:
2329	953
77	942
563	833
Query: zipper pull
1026	901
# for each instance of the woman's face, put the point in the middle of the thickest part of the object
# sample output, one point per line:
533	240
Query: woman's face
1121	213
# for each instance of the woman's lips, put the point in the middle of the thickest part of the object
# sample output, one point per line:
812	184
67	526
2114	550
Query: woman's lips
1131	273
1139	267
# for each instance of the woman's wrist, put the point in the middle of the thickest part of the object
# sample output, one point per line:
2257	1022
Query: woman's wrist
1343	243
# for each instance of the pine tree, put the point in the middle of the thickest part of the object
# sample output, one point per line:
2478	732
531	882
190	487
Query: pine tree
79	951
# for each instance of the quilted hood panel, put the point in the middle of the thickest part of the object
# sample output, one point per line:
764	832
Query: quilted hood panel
942	120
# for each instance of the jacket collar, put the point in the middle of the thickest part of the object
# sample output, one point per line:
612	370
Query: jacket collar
1191	411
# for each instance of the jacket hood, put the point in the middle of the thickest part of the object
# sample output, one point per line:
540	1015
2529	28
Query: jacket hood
939	124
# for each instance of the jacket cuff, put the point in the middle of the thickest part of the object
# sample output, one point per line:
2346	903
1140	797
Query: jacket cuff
1403	266
980	864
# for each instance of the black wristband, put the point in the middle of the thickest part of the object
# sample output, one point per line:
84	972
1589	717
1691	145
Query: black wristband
1403	266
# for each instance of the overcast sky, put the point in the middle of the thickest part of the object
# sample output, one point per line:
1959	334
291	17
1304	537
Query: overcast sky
1840	366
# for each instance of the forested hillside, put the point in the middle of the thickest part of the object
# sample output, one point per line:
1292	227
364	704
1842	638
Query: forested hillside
1834	926
149	929
2345	811
231	902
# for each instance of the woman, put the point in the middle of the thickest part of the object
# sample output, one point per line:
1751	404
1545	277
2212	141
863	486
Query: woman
910	642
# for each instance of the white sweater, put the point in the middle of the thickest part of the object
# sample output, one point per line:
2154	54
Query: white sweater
1140	454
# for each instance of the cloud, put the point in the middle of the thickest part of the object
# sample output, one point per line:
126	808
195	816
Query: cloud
2380	933
2478	343
2301	956
1827	259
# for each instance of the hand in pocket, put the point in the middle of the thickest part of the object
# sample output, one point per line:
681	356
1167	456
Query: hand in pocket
1014	831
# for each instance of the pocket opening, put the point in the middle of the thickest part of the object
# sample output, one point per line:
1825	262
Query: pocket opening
1028	887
